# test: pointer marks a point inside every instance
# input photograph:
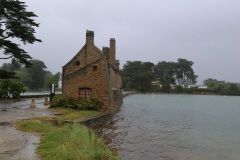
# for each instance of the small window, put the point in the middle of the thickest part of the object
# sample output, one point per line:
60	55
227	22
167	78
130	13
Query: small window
77	63
94	68
85	93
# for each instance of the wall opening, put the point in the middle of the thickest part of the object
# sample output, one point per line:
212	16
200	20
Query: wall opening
86	93
94	68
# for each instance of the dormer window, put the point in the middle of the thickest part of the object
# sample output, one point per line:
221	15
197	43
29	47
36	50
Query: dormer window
77	63
94	68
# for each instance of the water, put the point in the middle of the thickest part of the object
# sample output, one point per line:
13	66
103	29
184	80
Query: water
39	92
171	127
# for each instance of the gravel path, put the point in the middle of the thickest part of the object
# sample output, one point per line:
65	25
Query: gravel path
19	145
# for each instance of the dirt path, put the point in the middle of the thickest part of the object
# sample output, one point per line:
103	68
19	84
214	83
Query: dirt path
19	145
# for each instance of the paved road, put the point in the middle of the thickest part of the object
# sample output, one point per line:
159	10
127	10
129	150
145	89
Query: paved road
11	106
15	144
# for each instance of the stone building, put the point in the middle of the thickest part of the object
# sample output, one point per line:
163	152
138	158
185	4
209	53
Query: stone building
94	73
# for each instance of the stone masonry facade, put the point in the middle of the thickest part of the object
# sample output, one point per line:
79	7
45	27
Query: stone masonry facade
94	73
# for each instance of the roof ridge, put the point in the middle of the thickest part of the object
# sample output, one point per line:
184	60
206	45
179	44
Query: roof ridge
115	69
75	55
99	50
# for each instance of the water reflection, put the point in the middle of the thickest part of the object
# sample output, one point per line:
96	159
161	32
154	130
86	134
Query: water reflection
168	127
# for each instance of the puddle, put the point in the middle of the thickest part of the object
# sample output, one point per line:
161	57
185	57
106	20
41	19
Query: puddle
4	123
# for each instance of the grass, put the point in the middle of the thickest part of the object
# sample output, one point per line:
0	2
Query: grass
67	141
71	114
77	143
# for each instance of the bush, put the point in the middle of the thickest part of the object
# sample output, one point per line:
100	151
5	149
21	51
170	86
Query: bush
73	103
179	88
11	89
188	90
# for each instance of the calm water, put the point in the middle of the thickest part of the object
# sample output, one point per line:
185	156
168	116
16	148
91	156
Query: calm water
170	127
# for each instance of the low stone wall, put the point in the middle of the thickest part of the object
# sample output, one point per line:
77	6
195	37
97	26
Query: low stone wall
37	96
127	94
92	121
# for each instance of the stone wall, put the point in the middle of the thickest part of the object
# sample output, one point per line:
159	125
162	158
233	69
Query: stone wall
105	83
97	81
92	121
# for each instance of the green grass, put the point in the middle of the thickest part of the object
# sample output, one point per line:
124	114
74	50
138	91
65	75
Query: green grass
67	141
72	114
77	143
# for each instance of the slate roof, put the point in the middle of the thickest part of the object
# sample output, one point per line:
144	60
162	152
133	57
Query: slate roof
184	81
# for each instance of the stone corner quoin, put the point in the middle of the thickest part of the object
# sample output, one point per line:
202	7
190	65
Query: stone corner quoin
94	73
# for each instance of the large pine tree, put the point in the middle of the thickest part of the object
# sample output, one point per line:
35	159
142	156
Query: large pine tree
15	22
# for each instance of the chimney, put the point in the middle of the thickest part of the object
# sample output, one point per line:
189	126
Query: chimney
112	50
90	37
106	52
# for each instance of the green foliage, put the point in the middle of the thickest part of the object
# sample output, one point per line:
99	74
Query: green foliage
11	89
138	75
179	88
50	78
11	67
77	142
7	75
73	103
35	126
212	84
165	72
16	22
184	70
206	82
33	77
232	86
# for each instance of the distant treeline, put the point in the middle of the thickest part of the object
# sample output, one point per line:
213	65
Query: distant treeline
222	87
138	75
34	77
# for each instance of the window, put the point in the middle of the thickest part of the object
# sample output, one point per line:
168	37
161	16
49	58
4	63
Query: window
94	68
85	93
77	63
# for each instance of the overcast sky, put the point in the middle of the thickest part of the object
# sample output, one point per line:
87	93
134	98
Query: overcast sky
206	32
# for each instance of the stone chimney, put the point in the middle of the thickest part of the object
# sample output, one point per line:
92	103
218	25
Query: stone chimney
112	50
106	52
90	37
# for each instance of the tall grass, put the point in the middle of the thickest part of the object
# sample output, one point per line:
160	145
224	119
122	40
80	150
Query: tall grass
68	142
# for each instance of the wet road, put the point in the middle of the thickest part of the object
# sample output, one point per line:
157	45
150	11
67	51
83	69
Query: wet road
12	106
15	144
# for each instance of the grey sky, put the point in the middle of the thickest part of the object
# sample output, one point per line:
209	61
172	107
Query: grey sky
206	32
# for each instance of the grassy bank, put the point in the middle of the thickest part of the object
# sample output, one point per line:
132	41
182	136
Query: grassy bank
67	141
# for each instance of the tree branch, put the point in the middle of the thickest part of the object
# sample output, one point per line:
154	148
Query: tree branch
7	58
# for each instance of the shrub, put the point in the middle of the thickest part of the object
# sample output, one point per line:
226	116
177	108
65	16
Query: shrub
11	89
73	103
179	88
188	90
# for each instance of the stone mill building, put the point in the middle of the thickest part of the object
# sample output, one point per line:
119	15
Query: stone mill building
94	73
